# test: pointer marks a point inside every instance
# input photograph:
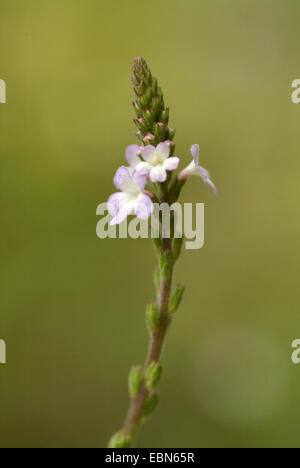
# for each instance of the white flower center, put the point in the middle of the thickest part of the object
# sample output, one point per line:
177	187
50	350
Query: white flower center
157	160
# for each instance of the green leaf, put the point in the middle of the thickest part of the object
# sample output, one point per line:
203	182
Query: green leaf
176	299
153	375
150	405
177	248
166	265
153	317
135	380
119	440
157	245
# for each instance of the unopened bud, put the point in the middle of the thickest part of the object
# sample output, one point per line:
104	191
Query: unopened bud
149	138
165	115
171	133
159	131
139	135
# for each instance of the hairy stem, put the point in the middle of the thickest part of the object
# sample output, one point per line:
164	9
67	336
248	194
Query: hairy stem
152	119
135	413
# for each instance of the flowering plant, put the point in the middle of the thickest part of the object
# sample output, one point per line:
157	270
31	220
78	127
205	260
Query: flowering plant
151	165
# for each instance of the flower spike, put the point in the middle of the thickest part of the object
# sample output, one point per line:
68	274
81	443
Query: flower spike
152	115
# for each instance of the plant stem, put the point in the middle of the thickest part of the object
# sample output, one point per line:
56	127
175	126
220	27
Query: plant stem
152	119
135	413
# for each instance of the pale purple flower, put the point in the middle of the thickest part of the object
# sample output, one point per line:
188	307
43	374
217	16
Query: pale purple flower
132	154
131	199
196	170
157	162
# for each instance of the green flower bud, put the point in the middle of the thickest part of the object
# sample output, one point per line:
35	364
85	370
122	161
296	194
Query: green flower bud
165	116
160	131
135	380
149	139
153	375
142	125
150	405
147	98
119	440
176	299
137	109
171	133
139	135
156	109
153	317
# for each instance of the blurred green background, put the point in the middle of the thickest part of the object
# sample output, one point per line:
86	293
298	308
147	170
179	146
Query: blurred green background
72	305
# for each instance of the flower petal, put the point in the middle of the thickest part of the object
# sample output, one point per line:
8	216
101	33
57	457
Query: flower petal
212	185
201	172
143	207
171	164
158	174
187	172
144	168
204	174
132	155
121	215
162	151
120	207
139	179
123	180
114	203
149	153
195	153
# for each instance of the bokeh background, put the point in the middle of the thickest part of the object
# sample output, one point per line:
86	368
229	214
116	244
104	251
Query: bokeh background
72	306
